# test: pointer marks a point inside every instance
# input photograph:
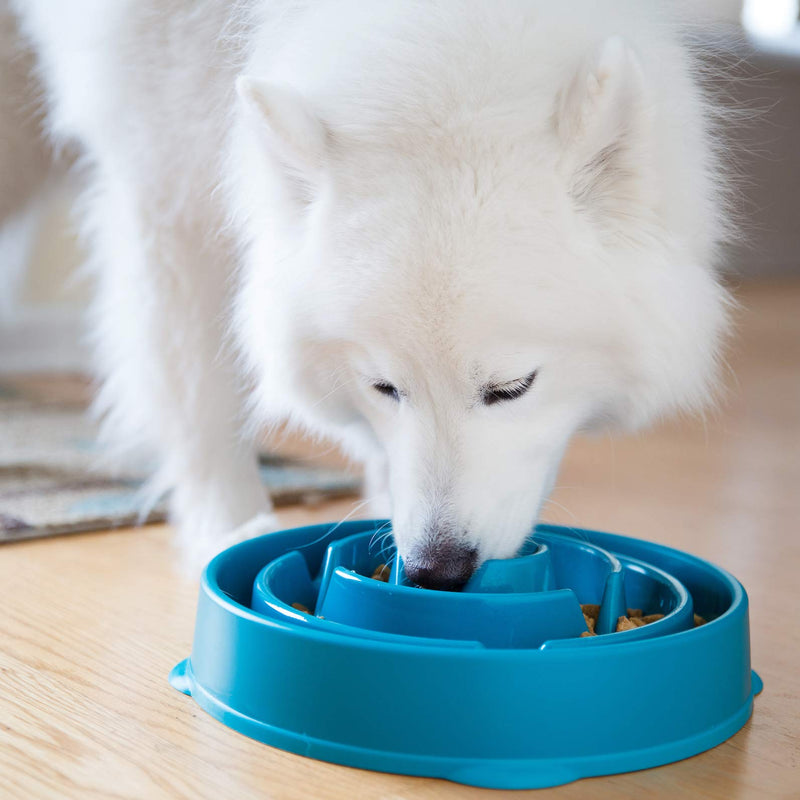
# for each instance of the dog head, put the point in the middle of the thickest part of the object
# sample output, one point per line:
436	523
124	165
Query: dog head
469	280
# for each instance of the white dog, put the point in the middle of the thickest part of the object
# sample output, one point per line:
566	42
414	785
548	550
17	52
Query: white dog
447	233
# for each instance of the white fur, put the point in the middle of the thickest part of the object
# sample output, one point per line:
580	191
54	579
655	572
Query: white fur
438	195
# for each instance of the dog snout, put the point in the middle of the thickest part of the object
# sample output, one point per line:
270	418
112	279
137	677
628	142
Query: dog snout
443	565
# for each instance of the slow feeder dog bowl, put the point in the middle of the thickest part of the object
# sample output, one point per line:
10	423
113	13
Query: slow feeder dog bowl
492	686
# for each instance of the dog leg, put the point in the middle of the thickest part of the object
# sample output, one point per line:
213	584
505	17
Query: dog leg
169	382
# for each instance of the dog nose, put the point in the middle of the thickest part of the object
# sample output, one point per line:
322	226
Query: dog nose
441	565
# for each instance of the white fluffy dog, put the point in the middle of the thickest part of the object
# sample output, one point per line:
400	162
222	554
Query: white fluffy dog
447	233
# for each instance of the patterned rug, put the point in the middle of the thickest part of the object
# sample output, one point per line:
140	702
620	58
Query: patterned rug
49	479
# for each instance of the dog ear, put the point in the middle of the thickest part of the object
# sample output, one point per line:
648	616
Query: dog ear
603	124
294	134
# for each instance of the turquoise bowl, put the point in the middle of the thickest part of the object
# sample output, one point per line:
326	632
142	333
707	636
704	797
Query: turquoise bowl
492	686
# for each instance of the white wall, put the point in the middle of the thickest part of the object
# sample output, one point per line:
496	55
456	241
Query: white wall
43	295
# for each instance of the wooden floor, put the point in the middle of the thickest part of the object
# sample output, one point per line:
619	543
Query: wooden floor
91	624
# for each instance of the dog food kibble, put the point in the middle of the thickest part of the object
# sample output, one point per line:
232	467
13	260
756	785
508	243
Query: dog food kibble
590	614
698	621
591	610
301	607
635	619
625	624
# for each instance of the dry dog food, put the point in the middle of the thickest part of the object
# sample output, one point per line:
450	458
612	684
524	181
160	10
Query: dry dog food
590	614
634	619
301	607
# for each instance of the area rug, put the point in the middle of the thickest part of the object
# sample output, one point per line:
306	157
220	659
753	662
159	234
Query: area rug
50	481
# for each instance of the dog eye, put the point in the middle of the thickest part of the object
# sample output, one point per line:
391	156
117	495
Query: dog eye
388	389
507	391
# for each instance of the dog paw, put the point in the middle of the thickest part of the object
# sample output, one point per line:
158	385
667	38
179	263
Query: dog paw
197	552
